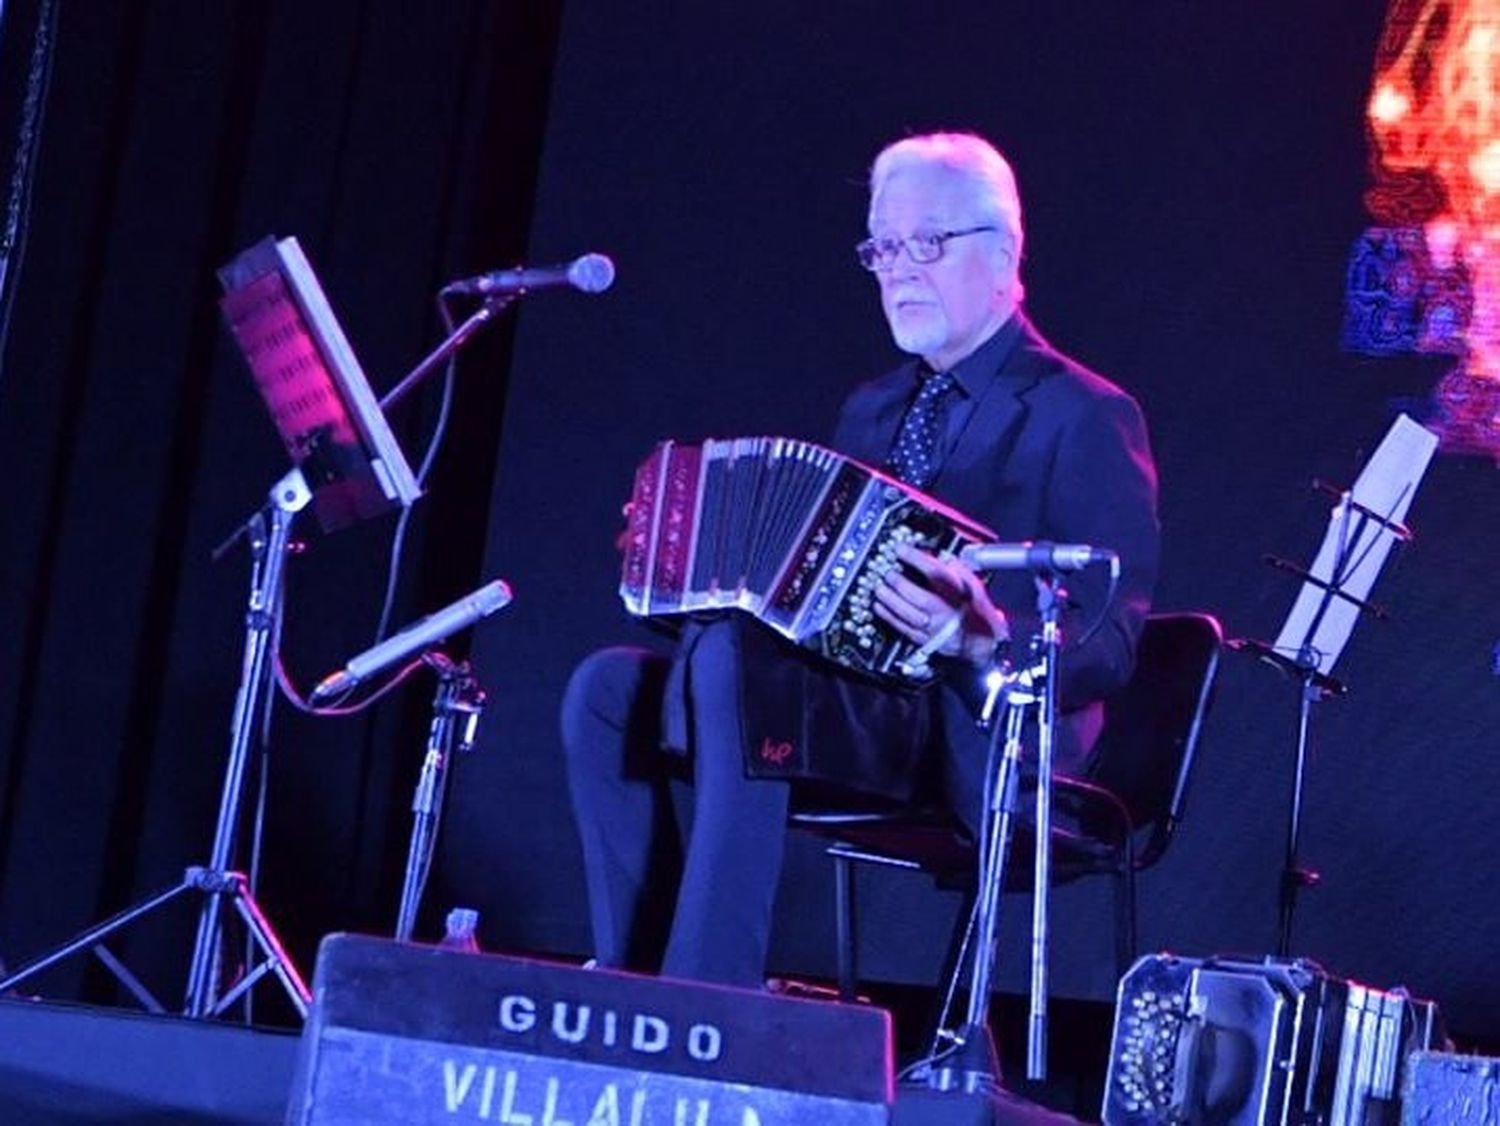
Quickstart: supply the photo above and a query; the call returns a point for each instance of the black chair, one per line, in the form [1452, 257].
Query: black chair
[1115, 820]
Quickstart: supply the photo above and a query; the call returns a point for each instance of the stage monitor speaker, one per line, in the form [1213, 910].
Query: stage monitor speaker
[419, 1034]
[1268, 1043]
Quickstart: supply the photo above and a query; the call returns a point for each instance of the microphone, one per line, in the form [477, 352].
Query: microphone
[1028, 556]
[593, 273]
[449, 620]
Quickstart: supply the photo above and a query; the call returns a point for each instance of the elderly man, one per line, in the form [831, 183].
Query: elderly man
[989, 419]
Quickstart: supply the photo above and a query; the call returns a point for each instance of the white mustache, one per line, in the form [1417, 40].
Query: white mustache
[897, 296]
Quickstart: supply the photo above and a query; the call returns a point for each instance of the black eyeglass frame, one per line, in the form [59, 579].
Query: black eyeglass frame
[877, 254]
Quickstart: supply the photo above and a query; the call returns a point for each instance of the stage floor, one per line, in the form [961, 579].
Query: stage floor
[72, 1064]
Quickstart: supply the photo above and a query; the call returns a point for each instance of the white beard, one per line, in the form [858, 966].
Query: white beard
[920, 336]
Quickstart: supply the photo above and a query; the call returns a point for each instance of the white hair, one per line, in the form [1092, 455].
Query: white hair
[967, 155]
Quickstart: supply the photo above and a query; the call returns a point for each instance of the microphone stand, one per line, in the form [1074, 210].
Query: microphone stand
[456, 708]
[1050, 599]
[455, 340]
[269, 545]
[458, 693]
[215, 881]
[975, 1067]
[289, 497]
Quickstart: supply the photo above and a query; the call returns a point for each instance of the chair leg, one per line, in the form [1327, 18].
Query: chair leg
[844, 922]
[1125, 923]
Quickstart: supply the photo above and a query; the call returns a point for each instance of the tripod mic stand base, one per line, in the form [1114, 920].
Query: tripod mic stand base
[965, 1088]
[203, 1000]
[212, 884]
[972, 1067]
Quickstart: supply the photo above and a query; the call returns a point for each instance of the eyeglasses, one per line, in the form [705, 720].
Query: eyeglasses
[923, 247]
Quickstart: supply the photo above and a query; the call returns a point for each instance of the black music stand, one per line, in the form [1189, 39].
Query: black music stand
[348, 465]
[1365, 524]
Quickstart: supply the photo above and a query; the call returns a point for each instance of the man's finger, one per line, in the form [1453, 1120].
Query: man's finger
[940, 574]
[905, 602]
[895, 580]
[896, 622]
[923, 561]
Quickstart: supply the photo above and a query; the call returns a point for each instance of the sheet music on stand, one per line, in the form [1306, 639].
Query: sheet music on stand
[1362, 528]
[313, 386]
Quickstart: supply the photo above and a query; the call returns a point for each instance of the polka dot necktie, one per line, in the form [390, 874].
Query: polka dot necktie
[914, 456]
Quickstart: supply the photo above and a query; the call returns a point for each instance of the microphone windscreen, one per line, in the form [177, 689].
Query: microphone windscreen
[593, 273]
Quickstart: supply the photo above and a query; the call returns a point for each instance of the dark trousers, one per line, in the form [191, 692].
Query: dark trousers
[637, 805]
[655, 823]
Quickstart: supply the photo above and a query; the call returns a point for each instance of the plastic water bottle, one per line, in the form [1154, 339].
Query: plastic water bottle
[460, 926]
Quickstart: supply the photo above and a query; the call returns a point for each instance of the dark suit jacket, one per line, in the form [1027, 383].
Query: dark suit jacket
[1053, 452]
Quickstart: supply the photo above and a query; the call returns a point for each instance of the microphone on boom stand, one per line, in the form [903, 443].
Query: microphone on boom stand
[449, 620]
[592, 273]
[1028, 556]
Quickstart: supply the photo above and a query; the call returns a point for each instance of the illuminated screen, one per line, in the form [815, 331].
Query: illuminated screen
[1426, 277]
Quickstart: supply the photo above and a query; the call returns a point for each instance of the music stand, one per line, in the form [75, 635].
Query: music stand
[1365, 524]
[313, 386]
[348, 465]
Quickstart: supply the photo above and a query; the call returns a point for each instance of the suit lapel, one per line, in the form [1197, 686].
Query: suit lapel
[991, 428]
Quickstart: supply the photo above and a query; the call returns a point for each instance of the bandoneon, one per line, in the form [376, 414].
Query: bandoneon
[789, 532]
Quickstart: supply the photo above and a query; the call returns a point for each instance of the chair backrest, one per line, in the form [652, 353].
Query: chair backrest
[1154, 723]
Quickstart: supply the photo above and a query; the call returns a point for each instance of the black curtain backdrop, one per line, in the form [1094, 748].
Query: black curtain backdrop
[1192, 179]
[399, 145]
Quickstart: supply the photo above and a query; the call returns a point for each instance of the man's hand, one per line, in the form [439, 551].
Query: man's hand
[952, 593]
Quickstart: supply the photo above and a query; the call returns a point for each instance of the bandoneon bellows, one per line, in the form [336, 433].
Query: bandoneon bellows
[794, 534]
